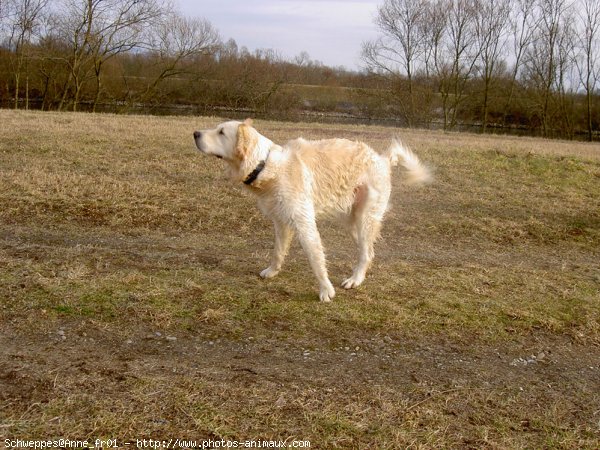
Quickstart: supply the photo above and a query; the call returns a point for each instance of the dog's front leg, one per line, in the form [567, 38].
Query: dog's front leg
[283, 239]
[310, 239]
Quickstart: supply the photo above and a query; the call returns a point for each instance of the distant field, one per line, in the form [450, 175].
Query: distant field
[131, 305]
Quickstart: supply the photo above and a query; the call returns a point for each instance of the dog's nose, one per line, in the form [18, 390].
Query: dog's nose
[197, 134]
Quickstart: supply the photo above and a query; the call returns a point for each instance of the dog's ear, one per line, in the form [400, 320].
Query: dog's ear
[247, 139]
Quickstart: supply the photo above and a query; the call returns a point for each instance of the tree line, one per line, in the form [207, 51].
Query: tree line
[523, 63]
[73, 54]
[531, 65]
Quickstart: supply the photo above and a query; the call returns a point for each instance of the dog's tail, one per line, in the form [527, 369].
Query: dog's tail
[400, 154]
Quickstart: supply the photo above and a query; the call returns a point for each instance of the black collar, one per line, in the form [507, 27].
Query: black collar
[255, 173]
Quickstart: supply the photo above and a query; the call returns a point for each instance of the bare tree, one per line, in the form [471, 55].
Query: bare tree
[588, 64]
[434, 29]
[490, 28]
[522, 27]
[544, 61]
[302, 59]
[458, 61]
[567, 80]
[73, 24]
[119, 27]
[175, 40]
[24, 19]
[97, 30]
[399, 49]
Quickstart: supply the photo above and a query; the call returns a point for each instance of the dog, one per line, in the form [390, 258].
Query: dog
[299, 181]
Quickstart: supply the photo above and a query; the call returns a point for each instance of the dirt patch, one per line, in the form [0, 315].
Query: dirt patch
[442, 383]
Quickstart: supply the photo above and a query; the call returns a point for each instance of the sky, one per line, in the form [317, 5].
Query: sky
[331, 31]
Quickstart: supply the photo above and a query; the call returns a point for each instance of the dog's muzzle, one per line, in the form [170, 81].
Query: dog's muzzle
[197, 137]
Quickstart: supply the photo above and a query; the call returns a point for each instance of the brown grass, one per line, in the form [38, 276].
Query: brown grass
[114, 228]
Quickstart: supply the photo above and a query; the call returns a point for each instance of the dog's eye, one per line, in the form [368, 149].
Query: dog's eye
[221, 131]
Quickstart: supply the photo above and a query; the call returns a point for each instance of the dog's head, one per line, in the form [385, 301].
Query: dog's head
[237, 143]
[232, 141]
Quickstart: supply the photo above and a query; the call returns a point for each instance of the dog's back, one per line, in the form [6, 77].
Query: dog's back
[333, 169]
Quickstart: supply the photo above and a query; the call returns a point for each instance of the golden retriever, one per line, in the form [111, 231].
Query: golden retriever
[300, 180]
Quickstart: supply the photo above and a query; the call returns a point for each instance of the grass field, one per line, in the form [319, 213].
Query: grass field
[131, 307]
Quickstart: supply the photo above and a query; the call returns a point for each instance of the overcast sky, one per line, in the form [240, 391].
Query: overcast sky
[331, 31]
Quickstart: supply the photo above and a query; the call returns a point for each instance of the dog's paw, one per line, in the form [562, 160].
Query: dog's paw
[269, 272]
[352, 282]
[327, 293]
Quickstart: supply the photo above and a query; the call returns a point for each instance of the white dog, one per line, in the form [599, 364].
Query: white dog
[297, 182]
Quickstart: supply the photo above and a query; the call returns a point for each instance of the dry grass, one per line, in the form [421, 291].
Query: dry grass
[113, 228]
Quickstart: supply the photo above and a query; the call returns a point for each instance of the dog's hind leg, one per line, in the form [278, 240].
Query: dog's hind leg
[283, 238]
[366, 216]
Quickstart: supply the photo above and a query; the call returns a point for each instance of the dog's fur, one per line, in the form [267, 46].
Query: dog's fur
[304, 179]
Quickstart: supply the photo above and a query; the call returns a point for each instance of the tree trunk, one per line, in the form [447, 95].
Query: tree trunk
[17, 85]
[76, 96]
[45, 93]
[27, 91]
[63, 97]
[411, 113]
[589, 116]
[486, 95]
[97, 95]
